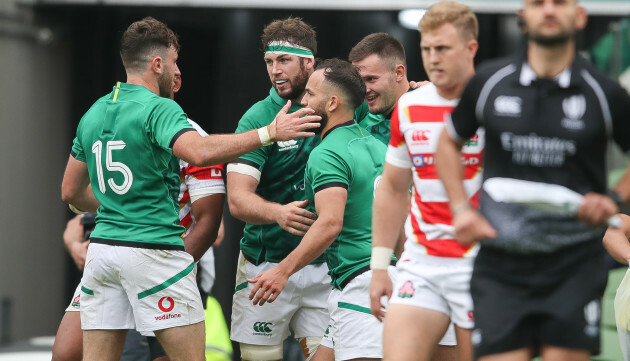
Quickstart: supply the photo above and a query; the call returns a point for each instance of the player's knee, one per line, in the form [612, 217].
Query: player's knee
[309, 346]
[261, 352]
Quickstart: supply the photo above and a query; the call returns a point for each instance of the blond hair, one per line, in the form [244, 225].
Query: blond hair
[451, 12]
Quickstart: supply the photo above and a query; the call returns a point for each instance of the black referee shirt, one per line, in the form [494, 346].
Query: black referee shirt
[544, 130]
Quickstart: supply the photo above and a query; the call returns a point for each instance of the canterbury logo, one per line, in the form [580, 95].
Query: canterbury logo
[263, 327]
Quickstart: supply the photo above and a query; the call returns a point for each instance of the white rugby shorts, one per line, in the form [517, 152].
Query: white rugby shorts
[301, 305]
[145, 289]
[436, 283]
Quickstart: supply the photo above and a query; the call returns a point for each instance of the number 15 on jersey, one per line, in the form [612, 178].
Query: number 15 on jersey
[111, 166]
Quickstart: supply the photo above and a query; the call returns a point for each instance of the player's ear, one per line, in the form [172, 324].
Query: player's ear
[400, 72]
[309, 63]
[156, 64]
[472, 46]
[333, 103]
[581, 18]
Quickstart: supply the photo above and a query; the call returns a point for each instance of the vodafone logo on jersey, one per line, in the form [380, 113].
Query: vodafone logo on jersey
[420, 136]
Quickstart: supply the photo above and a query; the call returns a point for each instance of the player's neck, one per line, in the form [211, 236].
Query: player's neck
[334, 119]
[455, 90]
[138, 79]
[548, 62]
[402, 88]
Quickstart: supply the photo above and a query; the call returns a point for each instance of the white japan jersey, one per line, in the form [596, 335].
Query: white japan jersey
[417, 123]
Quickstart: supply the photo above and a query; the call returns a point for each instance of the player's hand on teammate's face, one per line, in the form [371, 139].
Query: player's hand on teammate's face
[381, 285]
[293, 125]
[294, 219]
[470, 227]
[418, 84]
[268, 286]
[597, 208]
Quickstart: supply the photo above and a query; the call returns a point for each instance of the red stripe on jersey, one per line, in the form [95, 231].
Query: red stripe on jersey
[472, 164]
[396, 138]
[446, 248]
[434, 212]
[425, 113]
[186, 221]
[185, 199]
[213, 172]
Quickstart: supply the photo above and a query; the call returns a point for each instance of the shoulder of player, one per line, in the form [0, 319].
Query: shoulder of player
[161, 103]
[490, 67]
[589, 72]
[413, 96]
[261, 113]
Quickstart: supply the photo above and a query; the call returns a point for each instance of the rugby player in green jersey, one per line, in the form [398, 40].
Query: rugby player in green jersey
[341, 175]
[381, 61]
[266, 190]
[137, 273]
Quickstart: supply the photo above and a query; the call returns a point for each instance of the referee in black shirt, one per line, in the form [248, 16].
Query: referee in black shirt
[548, 116]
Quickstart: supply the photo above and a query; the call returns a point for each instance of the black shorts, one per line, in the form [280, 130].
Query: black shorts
[525, 301]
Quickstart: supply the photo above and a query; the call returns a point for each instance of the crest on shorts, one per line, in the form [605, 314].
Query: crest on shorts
[407, 290]
[76, 302]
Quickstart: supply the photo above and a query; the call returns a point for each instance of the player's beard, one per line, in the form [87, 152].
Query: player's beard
[561, 38]
[324, 121]
[165, 84]
[298, 84]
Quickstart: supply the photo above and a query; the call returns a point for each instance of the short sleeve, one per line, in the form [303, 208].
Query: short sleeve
[327, 169]
[77, 150]
[166, 122]
[397, 153]
[203, 181]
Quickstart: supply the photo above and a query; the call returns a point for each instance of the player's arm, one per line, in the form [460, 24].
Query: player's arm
[208, 212]
[388, 215]
[469, 225]
[220, 234]
[616, 240]
[73, 240]
[221, 148]
[75, 187]
[249, 207]
[330, 204]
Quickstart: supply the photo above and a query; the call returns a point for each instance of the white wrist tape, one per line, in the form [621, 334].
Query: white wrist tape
[381, 257]
[263, 135]
[76, 210]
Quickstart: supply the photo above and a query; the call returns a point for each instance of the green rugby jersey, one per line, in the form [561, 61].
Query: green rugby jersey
[351, 158]
[378, 125]
[282, 180]
[126, 139]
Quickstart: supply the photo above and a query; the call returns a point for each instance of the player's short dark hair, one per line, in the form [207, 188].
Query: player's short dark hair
[345, 77]
[293, 30]
[143, 39]
[388, 48]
